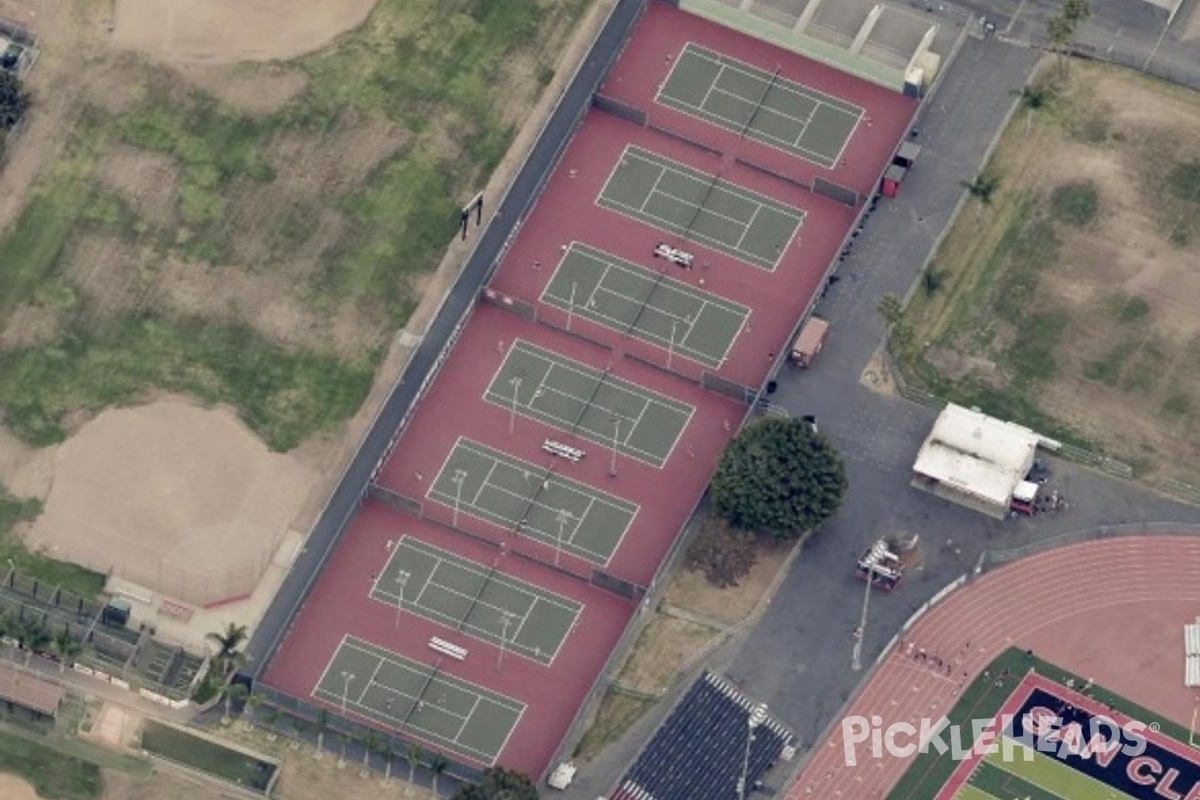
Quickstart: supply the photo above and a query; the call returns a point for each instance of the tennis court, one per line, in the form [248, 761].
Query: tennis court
[478, 600]
[701, 208]
[647, 305]
[412, 697]
[581, 400]
[760, 105]
[533, 501]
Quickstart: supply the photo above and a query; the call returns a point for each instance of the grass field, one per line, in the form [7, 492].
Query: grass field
[53, 775]
[983, 699]
[206, 756]
[50, 571]
[263, 258]
[1065, 293]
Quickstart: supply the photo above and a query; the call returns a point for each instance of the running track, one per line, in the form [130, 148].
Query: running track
[1099, 591]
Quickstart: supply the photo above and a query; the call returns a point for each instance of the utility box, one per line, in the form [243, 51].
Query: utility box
[810, 341]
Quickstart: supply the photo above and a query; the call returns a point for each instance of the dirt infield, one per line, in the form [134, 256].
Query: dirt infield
[12, 788]
[167, 491]
[225, 31]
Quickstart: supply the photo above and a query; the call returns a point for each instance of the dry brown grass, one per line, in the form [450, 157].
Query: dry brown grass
[689, 590]
[1101, 342]
[664, 647]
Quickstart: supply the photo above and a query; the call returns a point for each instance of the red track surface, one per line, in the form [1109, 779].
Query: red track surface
[339, 603]
[1106, 610]
[662, 34]
[567, 211]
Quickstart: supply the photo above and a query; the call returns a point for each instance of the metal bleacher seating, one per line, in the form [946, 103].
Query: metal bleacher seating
[699, 751]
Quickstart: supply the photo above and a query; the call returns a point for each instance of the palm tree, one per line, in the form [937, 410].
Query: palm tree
[414, 754]
[270, 716]
[370, 742]
[389, 755]
[65, 648]
[252, 702]
[234, 693]
[983, 187]
[1060, 29]
[437, 765]
[34, 637]
[228, 641]
[320, 724]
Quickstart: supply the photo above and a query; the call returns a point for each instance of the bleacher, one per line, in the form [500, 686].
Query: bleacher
[699, 751]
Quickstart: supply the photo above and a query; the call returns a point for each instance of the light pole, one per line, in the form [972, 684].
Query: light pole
[671, 346]
[459, 476]
[758, 715]
[401, 581]
[861, 632]
[571, 304]
[505, 621]
[515, 382]
[612, 467]
[564, 517]
[346, 678]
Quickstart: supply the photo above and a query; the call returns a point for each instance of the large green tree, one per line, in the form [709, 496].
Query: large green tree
[13, 100]
[499, 784]
[778, 476]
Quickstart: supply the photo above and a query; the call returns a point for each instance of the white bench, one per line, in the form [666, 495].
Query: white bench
[448, 649]
[554, 448]
[170, 608]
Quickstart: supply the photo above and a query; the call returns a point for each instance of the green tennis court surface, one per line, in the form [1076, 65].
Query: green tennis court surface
[533, 501]
[688, 322]
[476, 599]
[1043, 778]
[579, 399]
[407, 695]
[761, 105]
[700, 207]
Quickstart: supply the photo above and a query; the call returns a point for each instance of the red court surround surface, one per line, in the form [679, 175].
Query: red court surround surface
[664, 31]
[1111, 610]
[454, 408]
[567, 211]
[340, 605]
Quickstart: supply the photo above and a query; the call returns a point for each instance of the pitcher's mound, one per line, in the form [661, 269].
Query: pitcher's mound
[225, 31]
[184, 500]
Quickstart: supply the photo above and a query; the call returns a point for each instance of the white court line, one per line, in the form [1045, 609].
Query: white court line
[514, 582]
[467, 718]
[654, 188]
[566, 483]
[790, 85]
[742, 193]
[329, 665]
[746, 229]
[484, 484]
[685, 202]
[370, 681]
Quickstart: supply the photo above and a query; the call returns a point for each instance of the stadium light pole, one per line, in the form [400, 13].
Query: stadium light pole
[505, 621]
[571, 304]
[861, 632]
[564, 516]
[515, 382]
[401, 581]
[612, 467]
[671, 346]
[758, 715]
[459, 476]
[346, 678]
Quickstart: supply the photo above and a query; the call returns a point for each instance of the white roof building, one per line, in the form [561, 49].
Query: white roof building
[975, 460]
